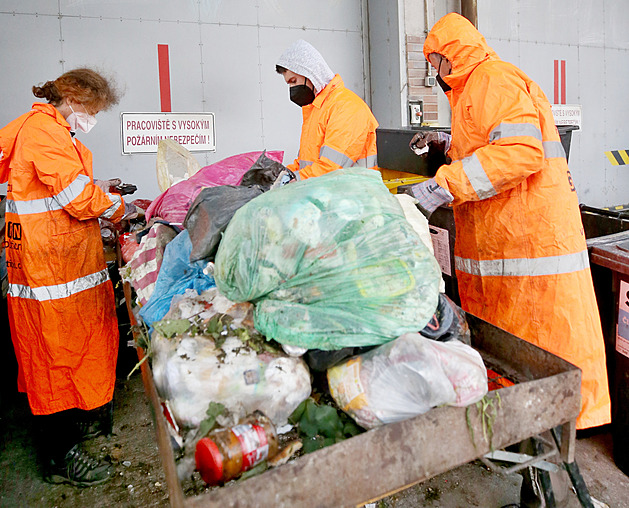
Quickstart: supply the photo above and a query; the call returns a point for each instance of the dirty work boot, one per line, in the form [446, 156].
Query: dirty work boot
[79, 469]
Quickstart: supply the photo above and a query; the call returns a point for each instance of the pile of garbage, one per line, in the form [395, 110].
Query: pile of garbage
[251, 285]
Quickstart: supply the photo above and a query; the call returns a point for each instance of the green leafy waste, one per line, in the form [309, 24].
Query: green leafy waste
[321, 425]
[214, 410]
[487, 408]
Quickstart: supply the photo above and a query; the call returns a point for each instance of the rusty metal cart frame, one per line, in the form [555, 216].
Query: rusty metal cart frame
[396, 456]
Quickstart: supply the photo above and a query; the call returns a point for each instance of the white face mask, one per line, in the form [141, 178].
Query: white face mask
[80, 120]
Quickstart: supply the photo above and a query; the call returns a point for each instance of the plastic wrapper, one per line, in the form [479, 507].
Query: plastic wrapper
[176, 274]
[210, 214]
[420, 224]
[173, 204]
[174, 164]
[407, 377]
[143, 268]
[330, 262]
[236, 369]
[264, 172]
[128, 246]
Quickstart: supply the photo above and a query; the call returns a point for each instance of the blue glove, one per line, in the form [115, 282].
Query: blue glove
[430, 196]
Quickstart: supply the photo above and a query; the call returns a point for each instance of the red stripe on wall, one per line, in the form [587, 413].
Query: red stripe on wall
[556, 95]
[563, 81]
[164, 77]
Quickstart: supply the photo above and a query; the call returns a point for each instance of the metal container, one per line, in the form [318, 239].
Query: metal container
[611, 254]
[390, 458]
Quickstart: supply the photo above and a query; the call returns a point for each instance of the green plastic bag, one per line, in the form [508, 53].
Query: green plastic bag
[330, 262]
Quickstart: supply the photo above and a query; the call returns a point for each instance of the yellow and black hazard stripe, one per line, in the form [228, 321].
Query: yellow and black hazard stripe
[618, 157]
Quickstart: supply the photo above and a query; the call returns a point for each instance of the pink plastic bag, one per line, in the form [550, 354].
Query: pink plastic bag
[173, 204]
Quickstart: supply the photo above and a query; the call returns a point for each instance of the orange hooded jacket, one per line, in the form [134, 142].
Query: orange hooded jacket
[520, 254]
[338, 131]
[61, 303]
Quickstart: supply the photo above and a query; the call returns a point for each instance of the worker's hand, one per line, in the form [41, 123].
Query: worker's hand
[430, 196]
[124, 188]
[105, 185]
[421, 140]
[285, 177]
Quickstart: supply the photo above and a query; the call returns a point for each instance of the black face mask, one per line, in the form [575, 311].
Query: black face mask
[444, 86]
[302, 95]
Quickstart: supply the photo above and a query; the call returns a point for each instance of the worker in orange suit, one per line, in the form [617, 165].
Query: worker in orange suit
[339, 129]
[60, 299]
[520, 254]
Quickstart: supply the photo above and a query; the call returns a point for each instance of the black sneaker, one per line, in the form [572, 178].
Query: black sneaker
[79, 469]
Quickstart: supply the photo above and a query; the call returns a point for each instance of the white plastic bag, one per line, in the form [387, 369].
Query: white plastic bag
[191, 370]
[420, 224]
[407, 377]
[174, 164]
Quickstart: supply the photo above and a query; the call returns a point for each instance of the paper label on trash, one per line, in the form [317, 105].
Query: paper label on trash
[441, 245]
[253, 442]
[622, 333]
[346, 386]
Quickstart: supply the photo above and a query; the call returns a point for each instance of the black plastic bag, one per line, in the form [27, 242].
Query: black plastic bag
[210, 214]
[264, 172]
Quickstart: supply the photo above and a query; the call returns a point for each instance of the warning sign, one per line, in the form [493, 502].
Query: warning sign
[142, 132]
[622, 331]
[567, 114]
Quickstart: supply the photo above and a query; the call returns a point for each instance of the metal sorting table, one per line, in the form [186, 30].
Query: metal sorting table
[382, 461]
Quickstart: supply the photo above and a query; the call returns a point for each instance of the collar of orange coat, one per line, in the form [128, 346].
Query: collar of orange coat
[454, 37]
[50, 110]
[335, 83]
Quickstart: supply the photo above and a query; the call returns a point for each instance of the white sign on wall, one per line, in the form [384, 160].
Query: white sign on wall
[142, 132]
[567, 114]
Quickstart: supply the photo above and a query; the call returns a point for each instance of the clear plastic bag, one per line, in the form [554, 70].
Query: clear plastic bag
[330, 262]
[407, 377]
[174, 164]
[193, 369]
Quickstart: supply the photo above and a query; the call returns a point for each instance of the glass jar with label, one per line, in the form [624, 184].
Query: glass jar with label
[227, 453]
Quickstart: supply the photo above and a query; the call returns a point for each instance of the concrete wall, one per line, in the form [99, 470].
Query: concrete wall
[222, 60]
[592, 38]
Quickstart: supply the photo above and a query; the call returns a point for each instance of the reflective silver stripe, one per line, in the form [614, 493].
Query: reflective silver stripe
[507, 130]
[368, 162]
[524, 267]
[477, 177]
[553, 149]
[304, 164]
[335, 156]
[59, 291]
[33, 206]
[70, 193]
[116, 200]
[50, 204]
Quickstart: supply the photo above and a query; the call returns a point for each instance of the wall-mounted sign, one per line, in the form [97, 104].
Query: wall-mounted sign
[567, 114]
[142, 132]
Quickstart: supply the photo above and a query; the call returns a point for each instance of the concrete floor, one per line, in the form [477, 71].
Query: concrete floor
[473, 485]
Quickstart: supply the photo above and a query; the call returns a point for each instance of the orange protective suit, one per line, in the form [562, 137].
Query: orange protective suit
[338, 131]
[61, 303]
[520, 253]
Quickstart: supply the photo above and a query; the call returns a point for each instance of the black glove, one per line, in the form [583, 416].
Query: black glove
[422, 139]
